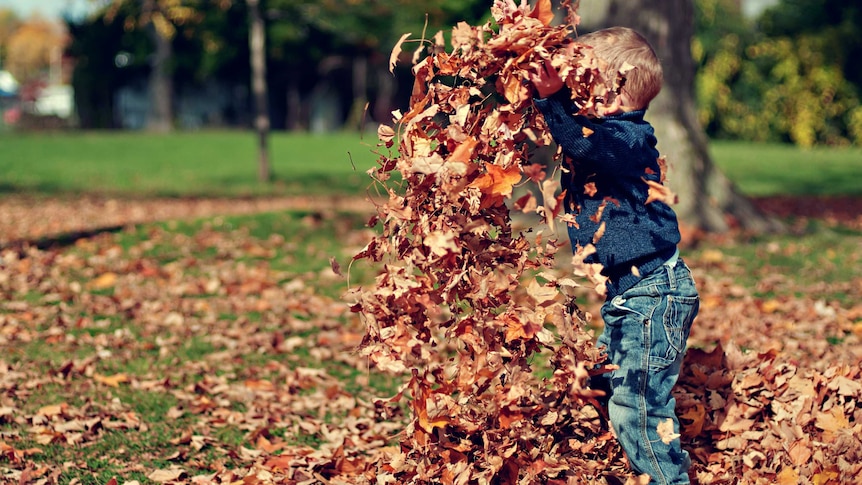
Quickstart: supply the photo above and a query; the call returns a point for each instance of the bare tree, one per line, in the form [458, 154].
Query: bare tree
[161, 111]
[257, 46]
[708, 200]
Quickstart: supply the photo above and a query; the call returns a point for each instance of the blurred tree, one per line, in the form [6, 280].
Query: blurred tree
[32, 47]
[9, 23]
[162, 19]
[327, 36]
[259, 88]
[837, 22]
[790, 78]
[708, 200]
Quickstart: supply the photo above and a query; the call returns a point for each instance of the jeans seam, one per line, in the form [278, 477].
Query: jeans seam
[642, 405]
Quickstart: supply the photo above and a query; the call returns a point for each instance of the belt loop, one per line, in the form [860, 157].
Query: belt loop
[671, 276]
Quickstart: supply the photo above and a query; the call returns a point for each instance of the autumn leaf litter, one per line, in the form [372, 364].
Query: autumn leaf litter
[487, 372]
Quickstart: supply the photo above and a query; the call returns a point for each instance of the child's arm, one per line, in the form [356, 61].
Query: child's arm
[609, 149]
[580, 137]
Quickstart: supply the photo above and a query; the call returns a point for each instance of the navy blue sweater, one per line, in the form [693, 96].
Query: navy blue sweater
[613, 162]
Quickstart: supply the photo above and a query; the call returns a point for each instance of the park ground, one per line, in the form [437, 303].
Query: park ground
[150, 352]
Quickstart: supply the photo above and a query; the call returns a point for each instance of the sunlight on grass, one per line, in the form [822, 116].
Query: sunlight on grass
[772, 169]
[217, 163]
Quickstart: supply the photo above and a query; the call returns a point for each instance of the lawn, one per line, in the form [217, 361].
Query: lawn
[225, 163]
[772, 169]
[182, 164]
[223, 350]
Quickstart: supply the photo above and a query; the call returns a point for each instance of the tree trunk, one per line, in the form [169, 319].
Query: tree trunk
[707, 199]
[360, 93]
[294, 105]
[257, 45]
[161, 86]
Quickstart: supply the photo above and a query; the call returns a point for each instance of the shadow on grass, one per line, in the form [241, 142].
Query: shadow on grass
[57, 241]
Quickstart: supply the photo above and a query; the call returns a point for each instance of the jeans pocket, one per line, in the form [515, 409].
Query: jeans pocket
[669, 336]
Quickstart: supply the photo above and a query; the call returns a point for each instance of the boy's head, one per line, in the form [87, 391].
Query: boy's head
[617, 46]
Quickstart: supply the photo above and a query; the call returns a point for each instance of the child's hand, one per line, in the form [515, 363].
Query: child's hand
[546, 80]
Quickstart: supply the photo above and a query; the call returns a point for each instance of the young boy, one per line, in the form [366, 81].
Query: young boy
[651, 297]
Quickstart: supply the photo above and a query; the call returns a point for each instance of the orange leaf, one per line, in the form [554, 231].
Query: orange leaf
[464, 151]
[259, 385]
[280, 462]
[508, 417]
[429, 424]
[825, 477]
[800, 453]
[264, 444]
[52, 410]
[498, 180]
[516, 329]
[832, 422]
[543, 12]
[104, 281]
[513, 90]
[112, 381]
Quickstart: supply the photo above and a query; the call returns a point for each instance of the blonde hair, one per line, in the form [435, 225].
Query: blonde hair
[617, 46]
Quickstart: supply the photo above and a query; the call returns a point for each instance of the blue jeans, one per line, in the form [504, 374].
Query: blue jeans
[646, 328]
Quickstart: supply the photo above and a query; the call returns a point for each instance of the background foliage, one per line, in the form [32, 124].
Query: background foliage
[789, 76]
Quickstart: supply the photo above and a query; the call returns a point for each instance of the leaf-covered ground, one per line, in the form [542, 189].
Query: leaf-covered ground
[220, 351]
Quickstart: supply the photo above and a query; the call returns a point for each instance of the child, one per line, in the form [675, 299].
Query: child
[651, 297]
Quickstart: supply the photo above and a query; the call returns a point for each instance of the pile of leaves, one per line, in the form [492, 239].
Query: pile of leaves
[491, 340]
[767, 420]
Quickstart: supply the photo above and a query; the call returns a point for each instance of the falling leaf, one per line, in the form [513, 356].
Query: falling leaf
[498, 181]
[336, 268]
[396, 52]
[660, 193]
[543, 11]
[666, 432]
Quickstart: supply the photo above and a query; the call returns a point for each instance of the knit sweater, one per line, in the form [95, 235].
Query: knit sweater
[608, 165]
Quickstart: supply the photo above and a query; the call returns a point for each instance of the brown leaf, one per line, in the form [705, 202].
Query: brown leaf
[164, 476]
[660, 193]
[543, 11]
[396, 52]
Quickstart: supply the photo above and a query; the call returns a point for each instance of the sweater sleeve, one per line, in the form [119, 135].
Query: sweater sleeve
[603, 144]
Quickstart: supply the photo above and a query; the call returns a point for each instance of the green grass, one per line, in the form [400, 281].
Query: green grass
[816, 262]
[771, 169]
[222, 163]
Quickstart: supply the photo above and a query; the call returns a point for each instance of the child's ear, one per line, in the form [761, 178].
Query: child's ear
[626, 102]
